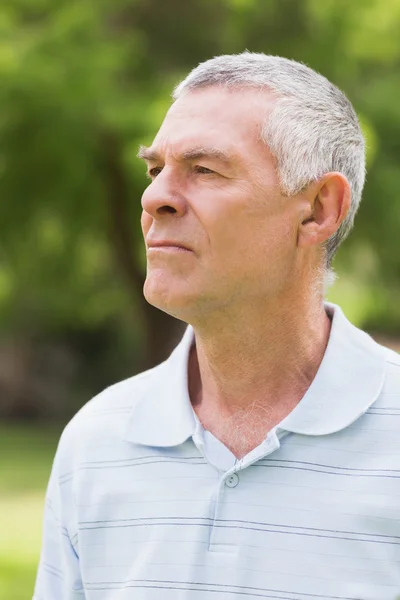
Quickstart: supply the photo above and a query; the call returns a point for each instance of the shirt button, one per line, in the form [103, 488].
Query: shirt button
[232, 481]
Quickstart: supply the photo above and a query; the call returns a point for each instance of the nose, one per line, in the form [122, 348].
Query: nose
[162, 198]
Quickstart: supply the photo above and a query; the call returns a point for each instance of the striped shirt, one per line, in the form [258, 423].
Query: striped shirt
[144, 504]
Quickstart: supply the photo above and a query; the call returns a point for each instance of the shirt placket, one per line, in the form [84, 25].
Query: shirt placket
[227, 488]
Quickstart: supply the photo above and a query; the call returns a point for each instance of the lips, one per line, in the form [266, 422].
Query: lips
[166, 244]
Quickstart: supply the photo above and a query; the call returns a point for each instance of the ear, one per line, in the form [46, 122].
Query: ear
[328, 202]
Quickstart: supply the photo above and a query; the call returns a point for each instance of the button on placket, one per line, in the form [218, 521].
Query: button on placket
[232, 481]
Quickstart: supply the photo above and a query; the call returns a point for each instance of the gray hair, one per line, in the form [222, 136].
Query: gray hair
[311, 130]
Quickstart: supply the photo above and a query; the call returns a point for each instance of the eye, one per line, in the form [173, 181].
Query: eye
[203, 170]
[152, 173]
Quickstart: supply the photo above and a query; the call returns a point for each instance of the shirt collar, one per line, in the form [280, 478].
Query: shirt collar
[163, 415]
[348, 381]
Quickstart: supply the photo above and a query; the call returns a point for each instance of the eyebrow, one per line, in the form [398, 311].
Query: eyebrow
[200, 152]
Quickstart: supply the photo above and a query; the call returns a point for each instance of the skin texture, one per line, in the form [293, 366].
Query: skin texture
[250, 279]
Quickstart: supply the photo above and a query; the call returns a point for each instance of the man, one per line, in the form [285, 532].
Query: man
[261, 460]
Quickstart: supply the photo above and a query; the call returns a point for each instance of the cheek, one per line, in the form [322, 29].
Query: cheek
[263, 241]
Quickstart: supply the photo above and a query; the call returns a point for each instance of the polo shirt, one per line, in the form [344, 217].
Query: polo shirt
[142, 503]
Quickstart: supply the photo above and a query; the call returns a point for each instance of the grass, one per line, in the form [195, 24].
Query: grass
[26, 457]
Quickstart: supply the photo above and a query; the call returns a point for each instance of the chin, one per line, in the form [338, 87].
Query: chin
[169, 297]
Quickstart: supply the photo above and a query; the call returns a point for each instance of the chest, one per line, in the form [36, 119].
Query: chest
[306, 519]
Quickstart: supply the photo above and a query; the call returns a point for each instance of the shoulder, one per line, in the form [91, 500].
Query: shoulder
[392, 358]
[392, 367]
[390, 394]
[101, 422]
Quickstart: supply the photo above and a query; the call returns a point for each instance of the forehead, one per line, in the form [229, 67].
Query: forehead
[215, 117]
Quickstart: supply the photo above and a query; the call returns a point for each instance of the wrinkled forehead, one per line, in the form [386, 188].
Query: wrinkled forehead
[216, 117]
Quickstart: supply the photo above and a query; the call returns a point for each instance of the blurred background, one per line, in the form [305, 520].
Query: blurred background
[82, 83]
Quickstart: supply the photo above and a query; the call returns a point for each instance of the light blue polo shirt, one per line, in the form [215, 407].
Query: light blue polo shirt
[143, 504]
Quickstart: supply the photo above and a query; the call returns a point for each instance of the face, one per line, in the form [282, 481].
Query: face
[219, 235]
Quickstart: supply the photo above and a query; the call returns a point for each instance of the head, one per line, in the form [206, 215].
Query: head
[257, 171]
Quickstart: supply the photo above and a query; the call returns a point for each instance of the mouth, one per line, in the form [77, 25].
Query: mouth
[167, 246]
[167, 249]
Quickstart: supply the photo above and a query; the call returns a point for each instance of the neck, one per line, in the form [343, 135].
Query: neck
[264, 357]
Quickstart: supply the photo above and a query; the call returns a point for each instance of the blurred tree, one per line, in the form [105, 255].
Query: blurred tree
[83, 84]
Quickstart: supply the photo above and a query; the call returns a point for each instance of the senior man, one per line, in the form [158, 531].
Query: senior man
[262, 459]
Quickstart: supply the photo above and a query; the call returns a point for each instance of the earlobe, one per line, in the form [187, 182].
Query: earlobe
[308, 233]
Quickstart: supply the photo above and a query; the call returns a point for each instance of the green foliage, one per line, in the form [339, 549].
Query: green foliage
[83, 82]
[83, 79]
